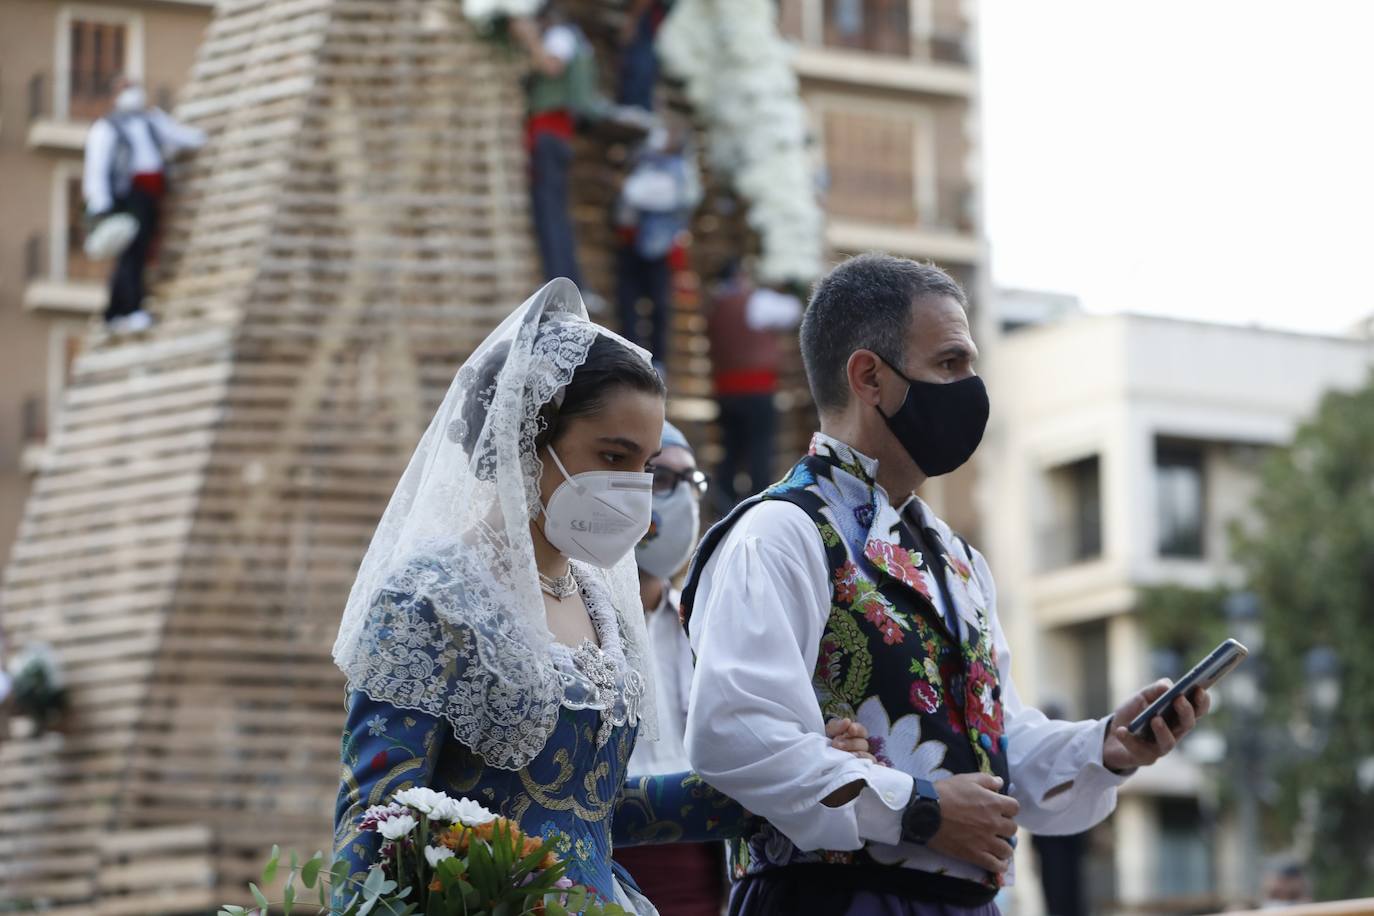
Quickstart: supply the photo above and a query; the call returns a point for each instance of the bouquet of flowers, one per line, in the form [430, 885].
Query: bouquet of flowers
[439, 856]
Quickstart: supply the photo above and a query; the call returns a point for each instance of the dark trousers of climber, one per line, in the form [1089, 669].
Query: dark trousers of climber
[747, 425]
[638, 279]
[550, 161]
[126, 283]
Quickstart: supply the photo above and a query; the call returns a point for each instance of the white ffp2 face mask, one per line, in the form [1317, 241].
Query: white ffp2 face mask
[598, 516]
[672, 534]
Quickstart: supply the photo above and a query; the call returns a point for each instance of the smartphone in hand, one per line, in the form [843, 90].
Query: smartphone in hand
[1220, 662]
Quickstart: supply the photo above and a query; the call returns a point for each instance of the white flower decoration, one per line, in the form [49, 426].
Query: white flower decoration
[397, 827]
[469, 813]
[422, 799]
[739, 76]
[436, 854]
[899, 743]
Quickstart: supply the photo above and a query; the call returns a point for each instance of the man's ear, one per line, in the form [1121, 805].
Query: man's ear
[862, 372]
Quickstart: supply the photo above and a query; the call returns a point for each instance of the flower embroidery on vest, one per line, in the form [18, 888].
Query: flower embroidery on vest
[899, 563]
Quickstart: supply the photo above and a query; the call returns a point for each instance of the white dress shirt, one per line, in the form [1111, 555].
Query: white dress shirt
[754, 728]
[673, 683]
[145, 156]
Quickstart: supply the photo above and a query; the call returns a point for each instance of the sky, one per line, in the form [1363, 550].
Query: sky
[1210, 159]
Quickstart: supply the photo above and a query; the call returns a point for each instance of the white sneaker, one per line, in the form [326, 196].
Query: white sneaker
[138, 322]
[118, 325]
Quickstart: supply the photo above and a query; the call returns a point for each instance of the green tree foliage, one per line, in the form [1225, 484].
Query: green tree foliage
[1310, 559]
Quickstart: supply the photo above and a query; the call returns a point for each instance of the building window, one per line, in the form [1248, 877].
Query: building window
[1073, 533]
[871, 161]
[877, 26]
[79, 267]
[97, 57]
[1094, 684]
[1181, 493]
[1184, 854]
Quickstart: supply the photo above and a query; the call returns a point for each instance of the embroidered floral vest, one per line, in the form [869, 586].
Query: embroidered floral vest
[929, 698]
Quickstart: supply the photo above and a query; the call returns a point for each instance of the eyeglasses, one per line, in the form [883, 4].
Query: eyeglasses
[666, 479]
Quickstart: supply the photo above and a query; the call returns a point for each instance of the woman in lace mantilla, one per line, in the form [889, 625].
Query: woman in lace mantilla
[481, 660]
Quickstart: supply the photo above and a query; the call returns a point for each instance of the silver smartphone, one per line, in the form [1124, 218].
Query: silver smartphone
[1222, 660]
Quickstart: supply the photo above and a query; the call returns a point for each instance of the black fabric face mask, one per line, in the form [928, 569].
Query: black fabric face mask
[940, 425]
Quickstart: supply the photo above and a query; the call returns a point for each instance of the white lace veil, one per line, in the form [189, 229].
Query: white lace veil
[455, 544]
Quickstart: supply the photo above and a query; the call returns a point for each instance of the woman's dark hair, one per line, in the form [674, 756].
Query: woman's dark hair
[610, 365]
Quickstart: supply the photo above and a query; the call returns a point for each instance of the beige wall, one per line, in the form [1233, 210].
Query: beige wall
[31, 352]
[1111, 386]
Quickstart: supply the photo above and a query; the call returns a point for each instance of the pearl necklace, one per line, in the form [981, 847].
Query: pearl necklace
[564, 586]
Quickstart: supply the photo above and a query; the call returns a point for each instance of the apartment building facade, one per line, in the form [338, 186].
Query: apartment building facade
[1121, 450]
[891, 87]
[57, 64]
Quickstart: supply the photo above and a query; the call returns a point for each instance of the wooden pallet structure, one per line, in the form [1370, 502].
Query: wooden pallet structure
[356, 224]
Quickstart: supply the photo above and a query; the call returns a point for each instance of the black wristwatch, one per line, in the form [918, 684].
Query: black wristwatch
[921, 819]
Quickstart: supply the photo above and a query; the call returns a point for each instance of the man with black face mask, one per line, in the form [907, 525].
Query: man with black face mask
[838, 593]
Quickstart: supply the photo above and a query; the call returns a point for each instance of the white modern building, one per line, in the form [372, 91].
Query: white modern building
[1120, 450]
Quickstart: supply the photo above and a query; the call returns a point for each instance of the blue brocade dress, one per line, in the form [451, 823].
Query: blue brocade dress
[574, 790]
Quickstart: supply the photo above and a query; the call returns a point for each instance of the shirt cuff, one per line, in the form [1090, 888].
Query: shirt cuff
[879, 806]
[1094, 771]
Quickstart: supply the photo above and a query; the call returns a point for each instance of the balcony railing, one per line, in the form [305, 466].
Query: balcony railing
[886, 28]
[1063, 545]
[899, 200]
[35, 257]
[39, 97]
[84, 103]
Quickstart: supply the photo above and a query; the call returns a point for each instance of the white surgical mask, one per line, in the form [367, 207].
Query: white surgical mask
[672, 533]
[131, 98]
[598, 516]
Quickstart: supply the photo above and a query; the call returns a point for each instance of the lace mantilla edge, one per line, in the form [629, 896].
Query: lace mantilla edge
[440, 643]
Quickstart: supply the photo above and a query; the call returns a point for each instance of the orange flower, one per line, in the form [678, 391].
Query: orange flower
[456, 838]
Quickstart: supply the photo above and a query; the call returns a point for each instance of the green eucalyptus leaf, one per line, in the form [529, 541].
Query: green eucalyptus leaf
[311, 869]
[373, 885]
[258, 896]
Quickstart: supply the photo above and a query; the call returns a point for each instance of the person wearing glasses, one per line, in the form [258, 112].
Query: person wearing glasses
[684, 879]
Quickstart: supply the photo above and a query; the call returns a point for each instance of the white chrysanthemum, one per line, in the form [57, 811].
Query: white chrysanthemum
[421, 799]
[469, 813]
[484, 11]
[436, 854]
[397, 827]
[739, 76]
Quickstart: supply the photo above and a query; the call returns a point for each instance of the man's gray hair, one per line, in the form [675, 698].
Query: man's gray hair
[864, 304]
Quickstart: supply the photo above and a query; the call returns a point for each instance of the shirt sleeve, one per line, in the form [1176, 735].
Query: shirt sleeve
[175, 135]
[95, 174]
[1056, 768]
[754, 726]
[769, 310]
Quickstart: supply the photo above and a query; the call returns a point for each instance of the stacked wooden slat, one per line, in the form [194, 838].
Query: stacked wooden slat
[356, 224]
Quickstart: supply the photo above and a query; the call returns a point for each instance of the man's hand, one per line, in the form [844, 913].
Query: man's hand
[1124, 751]
[977, 822]
[851, 737]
